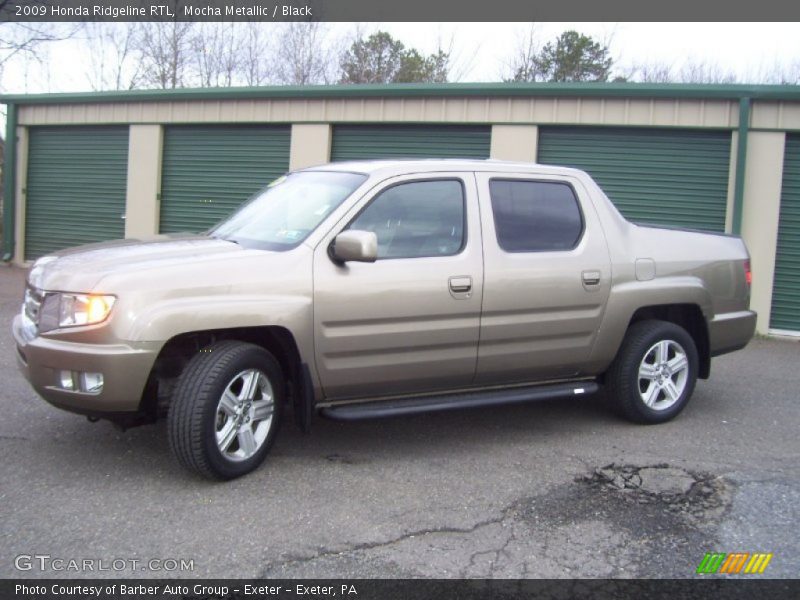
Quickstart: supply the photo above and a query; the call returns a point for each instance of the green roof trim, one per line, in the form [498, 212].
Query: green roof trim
[741, 165]
[414, 90]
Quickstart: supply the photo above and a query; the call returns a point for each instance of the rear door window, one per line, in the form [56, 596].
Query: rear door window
[535, 216]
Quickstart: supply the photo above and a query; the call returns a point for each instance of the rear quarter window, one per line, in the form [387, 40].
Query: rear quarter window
[535, 216]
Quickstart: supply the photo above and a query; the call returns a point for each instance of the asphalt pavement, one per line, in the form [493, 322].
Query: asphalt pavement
[550, 489]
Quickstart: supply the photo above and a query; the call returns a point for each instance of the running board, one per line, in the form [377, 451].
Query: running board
[424, 404]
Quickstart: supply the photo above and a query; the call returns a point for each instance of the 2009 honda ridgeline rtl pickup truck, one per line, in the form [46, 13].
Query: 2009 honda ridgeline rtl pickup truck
[370, 289]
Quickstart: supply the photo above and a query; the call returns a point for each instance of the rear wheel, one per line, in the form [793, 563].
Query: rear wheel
[225, 410]
[653, 376]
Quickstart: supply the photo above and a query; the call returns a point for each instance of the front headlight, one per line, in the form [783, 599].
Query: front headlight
[72, 310]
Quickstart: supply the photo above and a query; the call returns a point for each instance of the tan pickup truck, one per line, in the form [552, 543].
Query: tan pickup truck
[370, 289]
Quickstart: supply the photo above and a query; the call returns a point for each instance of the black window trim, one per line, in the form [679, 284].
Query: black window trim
[526, 179]
[458, 178]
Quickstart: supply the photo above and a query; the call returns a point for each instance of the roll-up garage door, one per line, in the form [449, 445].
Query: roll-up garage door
[672, 177]
[365, 142]
[786, 288]
[207, 172]
[77, 178]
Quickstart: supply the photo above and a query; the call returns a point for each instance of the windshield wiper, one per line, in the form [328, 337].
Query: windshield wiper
[219, 237]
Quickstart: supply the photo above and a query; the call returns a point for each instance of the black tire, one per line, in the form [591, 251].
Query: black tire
[193, 418]
[624, 386]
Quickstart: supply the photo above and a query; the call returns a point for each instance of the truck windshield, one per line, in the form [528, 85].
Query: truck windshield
[283, 214]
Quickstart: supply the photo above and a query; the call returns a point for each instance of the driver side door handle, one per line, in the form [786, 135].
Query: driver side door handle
[461, 285]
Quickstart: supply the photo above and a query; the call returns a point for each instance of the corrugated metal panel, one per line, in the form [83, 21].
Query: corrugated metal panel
[486, 108]
[77, 179]
[786, 289]
[359, 142]
[207, 172]
[662, 176]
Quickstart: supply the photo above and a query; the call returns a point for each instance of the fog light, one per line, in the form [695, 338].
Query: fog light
[65, 380]
[77, 381]
[91, 382]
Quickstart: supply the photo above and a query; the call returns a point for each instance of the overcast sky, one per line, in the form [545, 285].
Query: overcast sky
[482, 50]
[741, 47]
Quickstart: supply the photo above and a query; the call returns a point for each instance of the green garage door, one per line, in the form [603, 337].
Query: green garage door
[364, 142]
[77, 177]
[786, 291]
[207, 172]
[661, 176]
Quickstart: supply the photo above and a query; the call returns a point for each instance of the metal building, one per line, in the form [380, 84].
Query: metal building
[89, 167]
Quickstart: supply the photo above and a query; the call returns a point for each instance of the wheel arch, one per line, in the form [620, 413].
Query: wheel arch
[681, 300]
[176, 353]
[687, 316]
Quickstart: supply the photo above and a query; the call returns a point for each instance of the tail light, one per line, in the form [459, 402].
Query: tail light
[748, 274]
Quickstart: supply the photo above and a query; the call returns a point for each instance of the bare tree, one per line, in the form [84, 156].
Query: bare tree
[788, 74]
[447, 63]
[255, 52]
[305, 54]
[692, 70]
[780, 73]
[702, 71]
[217, 54]
[169, 55]
[26, 40]
[524, 65]
[166, 51]
[458, 63]
[114, 56]
[651, 72]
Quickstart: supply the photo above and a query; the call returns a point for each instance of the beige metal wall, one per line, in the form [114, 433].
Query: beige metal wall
[761, 211]
[588, 111]
[21, 197]
[775, 115]
[579, 111]
[514, 122]
[515, 142]
[310, 145]
[144, 180]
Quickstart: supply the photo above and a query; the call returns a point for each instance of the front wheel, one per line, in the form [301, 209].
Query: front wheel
[225, 410]
[653, 376]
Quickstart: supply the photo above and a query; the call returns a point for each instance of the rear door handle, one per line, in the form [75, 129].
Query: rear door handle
[591, 277]
[460, 285]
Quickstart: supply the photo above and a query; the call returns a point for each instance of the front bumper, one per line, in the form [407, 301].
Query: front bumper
[731, 331]
[125, 369]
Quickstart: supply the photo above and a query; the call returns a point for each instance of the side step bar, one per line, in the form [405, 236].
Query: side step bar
[423, 404]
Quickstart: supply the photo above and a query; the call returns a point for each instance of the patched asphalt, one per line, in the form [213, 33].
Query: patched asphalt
[551, 489]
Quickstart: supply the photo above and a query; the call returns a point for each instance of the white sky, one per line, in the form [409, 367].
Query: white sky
[744, 48]
[482, 50]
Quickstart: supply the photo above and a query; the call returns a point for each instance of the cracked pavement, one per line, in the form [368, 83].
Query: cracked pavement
[550, 489]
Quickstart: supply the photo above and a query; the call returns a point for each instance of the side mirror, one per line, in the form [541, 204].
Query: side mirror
[356, 245]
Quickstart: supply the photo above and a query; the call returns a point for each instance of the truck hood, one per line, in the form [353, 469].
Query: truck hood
[81, 269]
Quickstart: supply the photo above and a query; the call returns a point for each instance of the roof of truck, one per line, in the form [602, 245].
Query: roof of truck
[432, 165]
